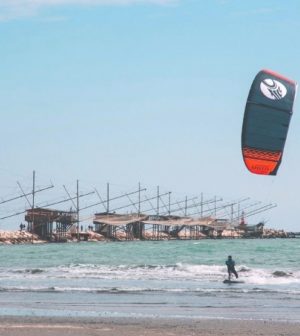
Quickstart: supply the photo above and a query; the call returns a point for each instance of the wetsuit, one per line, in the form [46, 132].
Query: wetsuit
[230, 268]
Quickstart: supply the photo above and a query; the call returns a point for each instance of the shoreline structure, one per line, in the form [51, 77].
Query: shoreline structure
[188, 219]
[25, 237]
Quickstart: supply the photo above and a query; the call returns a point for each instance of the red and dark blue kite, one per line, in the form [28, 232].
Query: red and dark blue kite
[266, 122]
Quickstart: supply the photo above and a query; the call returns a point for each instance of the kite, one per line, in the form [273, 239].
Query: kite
[267, 116]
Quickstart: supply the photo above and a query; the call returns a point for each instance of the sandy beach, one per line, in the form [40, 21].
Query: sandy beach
[13, 326]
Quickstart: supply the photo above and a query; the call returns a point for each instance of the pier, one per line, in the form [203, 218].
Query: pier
[50, 225]
[139, 214]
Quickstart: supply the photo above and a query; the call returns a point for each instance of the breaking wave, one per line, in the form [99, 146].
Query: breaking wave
[177, 272]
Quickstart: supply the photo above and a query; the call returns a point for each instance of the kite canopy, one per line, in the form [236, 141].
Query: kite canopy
[267, 117]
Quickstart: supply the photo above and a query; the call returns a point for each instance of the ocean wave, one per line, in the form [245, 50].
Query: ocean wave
[282, 274]
[175, 272]
[244, 269]
[215, 292]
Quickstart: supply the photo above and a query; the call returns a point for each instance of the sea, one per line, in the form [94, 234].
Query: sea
[156, 279]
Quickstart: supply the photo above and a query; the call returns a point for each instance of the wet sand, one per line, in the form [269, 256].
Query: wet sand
[17, 326]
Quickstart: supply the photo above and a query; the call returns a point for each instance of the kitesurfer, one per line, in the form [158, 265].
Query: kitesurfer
[231, 267]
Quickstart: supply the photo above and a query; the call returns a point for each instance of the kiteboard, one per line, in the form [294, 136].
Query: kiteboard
[227, 281]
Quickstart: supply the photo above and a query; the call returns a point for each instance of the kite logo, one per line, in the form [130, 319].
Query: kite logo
[273, 89]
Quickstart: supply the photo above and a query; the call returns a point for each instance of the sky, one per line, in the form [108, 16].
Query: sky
[149, 91]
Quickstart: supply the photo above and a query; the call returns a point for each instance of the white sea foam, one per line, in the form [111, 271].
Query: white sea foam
[179, 272]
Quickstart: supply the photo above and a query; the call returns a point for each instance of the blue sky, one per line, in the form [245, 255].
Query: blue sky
[149, 91]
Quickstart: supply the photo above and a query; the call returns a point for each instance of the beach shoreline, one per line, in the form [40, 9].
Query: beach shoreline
[15, 326]
[150, 288]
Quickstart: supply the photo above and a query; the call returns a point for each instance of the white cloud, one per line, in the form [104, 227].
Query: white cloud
[10, 9]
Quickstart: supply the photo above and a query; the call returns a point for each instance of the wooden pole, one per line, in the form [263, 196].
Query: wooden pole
[157, 208]
[33, 200]
[107, 191]
[77, 209]
[139, 208]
